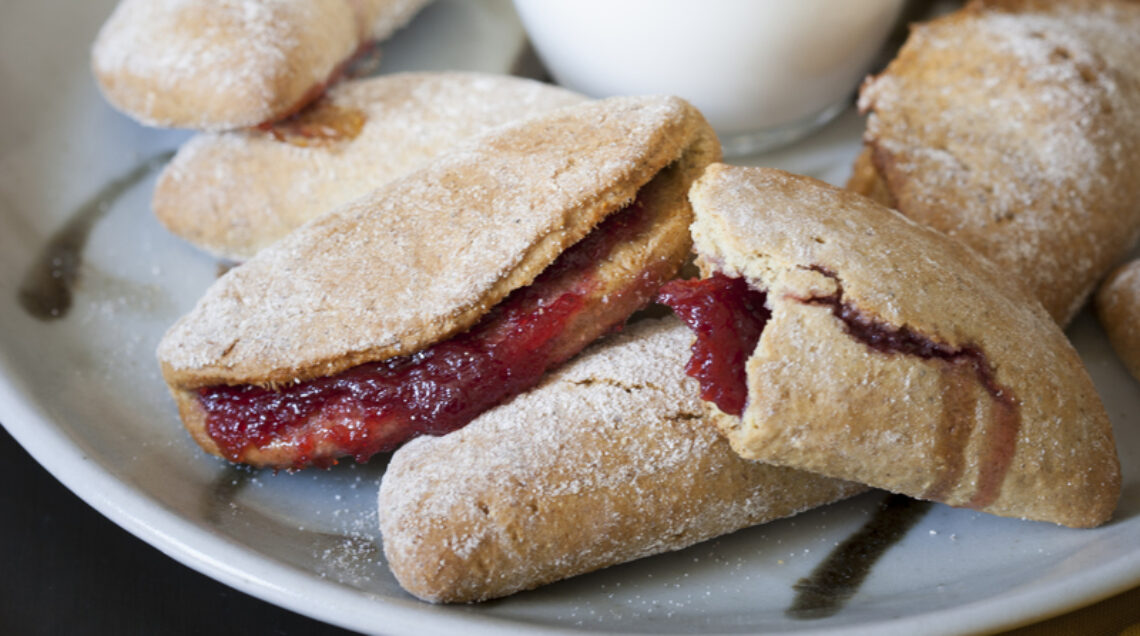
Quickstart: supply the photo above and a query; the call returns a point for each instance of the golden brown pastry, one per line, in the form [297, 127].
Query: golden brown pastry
[444, 292]
[1014, 126]
[610, 460]
[890, 355]
[233, 193]
[224, 64]
[1118, 307]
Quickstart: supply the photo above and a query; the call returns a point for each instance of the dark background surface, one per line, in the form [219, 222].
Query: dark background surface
[69, 570]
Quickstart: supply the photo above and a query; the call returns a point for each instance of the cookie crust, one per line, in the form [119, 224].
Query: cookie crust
[234, 193]
[611, 460]
[1118, 308]
[1005, 419]
[1014, 126]
[426, 256]
[225, 64]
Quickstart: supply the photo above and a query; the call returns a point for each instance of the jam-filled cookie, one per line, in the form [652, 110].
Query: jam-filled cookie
[443, 293]
[1014, 126]
[837, 336]
[225, 64]
[233, 193]
[611, 459]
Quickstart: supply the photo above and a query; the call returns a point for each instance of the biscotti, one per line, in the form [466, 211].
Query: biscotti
[610, 460]
[889, 354]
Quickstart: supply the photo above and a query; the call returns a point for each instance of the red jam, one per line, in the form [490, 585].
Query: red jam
[728, 317]
[377, 406]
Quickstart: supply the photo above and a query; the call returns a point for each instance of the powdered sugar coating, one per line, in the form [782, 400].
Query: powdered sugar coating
[1014, 126]
[426, 255]
[233, 193]
[823, 399]
[223, 64]
[611, 459]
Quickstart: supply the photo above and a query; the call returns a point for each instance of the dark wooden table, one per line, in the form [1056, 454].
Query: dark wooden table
[69, 570]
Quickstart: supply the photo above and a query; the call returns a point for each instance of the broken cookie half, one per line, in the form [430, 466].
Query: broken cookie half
[433, 298]
[838, 337]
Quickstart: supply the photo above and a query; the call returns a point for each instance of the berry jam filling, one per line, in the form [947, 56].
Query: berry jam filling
[889, 339]
[728, 317]
[377, 406]
[1001, 435]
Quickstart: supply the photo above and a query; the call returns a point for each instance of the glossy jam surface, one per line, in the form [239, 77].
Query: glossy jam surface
[377, 406]
[727, 317]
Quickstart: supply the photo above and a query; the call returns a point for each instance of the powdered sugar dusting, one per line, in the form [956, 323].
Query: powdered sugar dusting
[233, 193]
[1074, 57]
[222, 64]
[610, 460]
[241, 46]
[822, 399]
[1014, 132]
[428, 253]
[143, 29]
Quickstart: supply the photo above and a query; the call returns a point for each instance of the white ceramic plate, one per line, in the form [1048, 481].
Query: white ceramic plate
[83, 395]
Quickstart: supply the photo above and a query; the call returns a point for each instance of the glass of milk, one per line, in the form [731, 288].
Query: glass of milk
[764, 72]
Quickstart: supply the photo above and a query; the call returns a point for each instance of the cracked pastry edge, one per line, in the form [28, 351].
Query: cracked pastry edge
[823, 401]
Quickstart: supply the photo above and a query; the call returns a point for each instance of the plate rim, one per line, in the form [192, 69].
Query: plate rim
[243, 568]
